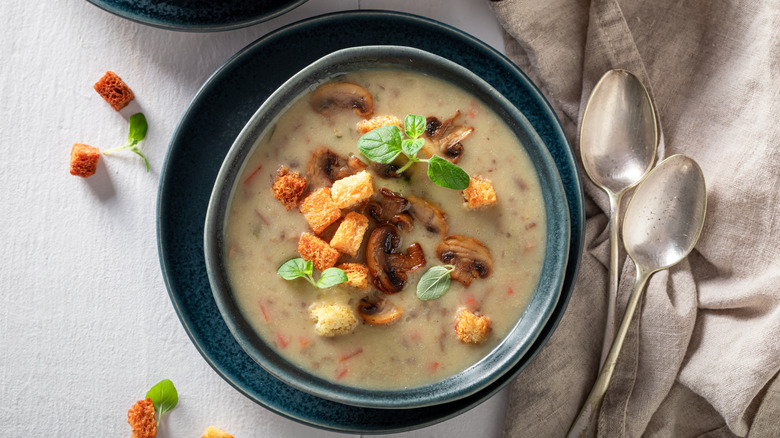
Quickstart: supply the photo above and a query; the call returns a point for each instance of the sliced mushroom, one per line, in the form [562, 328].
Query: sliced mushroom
[447, 136]
[470, 257]
[377, 309]
[326, 166]
[430, 216]
[387, 266]
[346, 95]
[387, 171]
[390, 207]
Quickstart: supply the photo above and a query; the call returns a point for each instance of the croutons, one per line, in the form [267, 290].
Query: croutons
[84, 160]
[215, 432]
[114, 91]
[470, 328]
[141, 419]
[349, 234]
[318, 251]
[369, 125]
[289, 187]
[333, 319]
[320, 210]
[357, 274]
[479, 193]
[350, 191]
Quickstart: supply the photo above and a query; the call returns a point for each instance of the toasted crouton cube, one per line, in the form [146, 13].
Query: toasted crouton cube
[318, 251]
[480, 193]
[350, 233]
[84, 160]
[289, 187]
[320, 210]
[470, 328]
[369, 125]
[215, 432]
[114, 91]
[350, 191]
[333, 319]
[357, 274]
[141, 419]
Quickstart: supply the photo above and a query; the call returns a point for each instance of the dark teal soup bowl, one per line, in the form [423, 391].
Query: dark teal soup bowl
[517, 344]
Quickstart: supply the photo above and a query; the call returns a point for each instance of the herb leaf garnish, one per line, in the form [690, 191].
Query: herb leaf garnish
[446, 174]
[385, 143]
[137, 132]
[164, 396]
[300, 268]
[434, 283]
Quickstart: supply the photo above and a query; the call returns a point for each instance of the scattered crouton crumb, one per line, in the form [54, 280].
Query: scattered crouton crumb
[319, 210]
[350, 191]
[289, 187]
[349, 234]
[215, 432]
[141, 419]
[318, 251]
[479, 193]
[357, 274]
[369, 125]
[114, 90]
[470, 328]
[83, 160]
[333, 319]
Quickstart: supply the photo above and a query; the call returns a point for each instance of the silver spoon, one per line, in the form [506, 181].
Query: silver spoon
[662, 224]
[618, 141]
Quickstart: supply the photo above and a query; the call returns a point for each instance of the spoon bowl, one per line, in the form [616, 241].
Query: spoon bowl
[662, 225]
[618, 142]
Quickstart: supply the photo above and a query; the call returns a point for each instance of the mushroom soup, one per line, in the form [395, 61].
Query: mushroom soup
[306, 191]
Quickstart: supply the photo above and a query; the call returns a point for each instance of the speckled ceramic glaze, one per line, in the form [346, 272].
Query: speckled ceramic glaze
[211, 124]
[198, 15]
[517, 342]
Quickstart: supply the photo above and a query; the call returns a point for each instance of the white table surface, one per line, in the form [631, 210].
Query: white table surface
[86, 325]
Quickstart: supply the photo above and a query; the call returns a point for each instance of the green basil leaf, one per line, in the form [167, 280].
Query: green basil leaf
[295, 268]
[382, 144]
[135, 149]
[434, 283]
[164, 396]
[412, 146]
[138, 127]
[331, 277]
[414, 125]
[446, 174]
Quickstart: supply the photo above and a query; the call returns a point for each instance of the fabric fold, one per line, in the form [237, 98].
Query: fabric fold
[702, 354]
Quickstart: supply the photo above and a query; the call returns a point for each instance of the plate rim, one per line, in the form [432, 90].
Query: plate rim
[110, 7]
[576, 206]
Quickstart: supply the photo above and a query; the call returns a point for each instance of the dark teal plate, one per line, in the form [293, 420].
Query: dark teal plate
[213, 121]
[198, 15]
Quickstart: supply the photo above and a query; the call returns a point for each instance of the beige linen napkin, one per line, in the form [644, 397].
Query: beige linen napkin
[703, 354]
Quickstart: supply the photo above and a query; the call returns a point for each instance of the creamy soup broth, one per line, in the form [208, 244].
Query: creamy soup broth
[421, 346]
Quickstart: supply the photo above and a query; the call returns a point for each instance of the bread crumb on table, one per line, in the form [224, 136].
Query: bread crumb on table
[84, 160]
[215, 432]
[114, 90]
[141, 419]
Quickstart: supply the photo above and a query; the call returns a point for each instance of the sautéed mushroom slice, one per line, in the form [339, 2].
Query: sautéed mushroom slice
[388, 266]
[334, 96]
[470, 257]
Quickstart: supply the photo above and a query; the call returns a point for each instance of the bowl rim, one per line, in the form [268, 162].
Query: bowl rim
[463, 383]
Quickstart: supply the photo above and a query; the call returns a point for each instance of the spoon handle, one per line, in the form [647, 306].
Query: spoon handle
[585, 423]
[614, 242]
